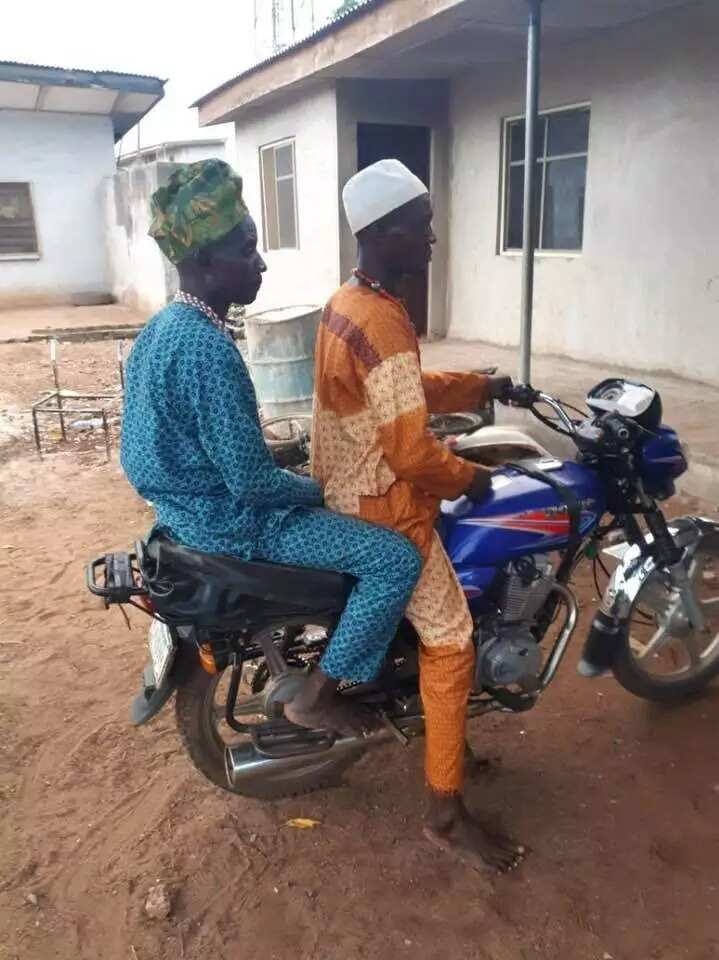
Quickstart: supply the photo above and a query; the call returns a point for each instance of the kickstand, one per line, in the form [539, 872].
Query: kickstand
[393, 728]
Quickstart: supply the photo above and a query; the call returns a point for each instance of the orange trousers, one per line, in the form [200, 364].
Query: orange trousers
[439, 613]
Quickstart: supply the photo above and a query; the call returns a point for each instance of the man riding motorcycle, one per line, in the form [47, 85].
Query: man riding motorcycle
[192, 443]
[376, 459]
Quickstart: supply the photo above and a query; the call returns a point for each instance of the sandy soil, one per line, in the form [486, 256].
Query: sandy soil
[618, 799]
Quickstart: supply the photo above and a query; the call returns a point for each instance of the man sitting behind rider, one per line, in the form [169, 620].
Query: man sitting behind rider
[376, 459]
[192, 443]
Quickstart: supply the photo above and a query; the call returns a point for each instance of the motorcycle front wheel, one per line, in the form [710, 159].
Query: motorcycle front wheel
[665, 657]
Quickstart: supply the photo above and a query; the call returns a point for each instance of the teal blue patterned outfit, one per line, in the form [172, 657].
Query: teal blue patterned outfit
[192, 444]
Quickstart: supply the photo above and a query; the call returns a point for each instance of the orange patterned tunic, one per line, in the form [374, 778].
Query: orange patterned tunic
[371, 449]
[375, 458]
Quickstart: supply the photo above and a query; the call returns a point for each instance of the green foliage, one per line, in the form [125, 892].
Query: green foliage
[347, 6]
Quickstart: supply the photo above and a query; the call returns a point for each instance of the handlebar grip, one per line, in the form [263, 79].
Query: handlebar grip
[521, 395]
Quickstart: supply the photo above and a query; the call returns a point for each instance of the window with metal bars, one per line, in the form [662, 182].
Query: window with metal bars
[279, 200]
[562, 148]
[18, 236]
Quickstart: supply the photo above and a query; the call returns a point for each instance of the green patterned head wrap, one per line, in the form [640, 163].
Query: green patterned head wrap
[201, 202]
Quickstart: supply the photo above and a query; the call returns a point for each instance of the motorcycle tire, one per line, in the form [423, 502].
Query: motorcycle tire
[636, 681]
[666, 688]
[194, 706]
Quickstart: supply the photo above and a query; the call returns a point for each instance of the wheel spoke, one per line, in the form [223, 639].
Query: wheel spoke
[683, 641]
[654, 645]
[692, 644]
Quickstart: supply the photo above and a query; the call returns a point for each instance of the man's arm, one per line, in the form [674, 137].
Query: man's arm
[455, 392]
[226, 408]
[395, 393]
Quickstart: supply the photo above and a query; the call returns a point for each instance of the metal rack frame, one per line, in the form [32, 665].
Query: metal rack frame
[59, 397]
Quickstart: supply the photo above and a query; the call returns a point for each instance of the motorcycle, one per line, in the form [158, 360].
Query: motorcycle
[233, 639]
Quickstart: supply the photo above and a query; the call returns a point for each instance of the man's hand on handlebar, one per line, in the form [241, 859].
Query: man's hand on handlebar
[504, 390]
[520, 395]
[480, 485]
[500, 387]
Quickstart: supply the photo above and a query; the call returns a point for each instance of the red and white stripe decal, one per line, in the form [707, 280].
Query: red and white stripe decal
[533, 521]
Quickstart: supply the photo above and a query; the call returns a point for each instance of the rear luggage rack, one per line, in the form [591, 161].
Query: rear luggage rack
[121, 579]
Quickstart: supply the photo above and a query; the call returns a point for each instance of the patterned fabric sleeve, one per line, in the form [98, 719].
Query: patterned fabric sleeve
[454, 392]
[395, 394]
[223, 398]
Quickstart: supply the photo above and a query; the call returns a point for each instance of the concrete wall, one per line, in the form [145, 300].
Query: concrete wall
[416, 103]
[309, 274]
[192, 152]
[142, 278]
[646, 285]
[324, 124]
[65, 158]
[182, 153]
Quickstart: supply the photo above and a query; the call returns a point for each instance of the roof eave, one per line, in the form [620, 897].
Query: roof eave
[44, 77]
[332, 25]
[279, 73]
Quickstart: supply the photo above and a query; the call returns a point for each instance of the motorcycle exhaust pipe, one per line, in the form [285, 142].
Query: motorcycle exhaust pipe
[245, 764]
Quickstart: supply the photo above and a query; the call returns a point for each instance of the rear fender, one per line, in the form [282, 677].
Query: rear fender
[151, 698]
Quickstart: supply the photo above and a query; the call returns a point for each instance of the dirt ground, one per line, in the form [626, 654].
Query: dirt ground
[618, 799]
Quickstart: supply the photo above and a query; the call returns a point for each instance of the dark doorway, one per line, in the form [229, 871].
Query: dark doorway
[410, 145]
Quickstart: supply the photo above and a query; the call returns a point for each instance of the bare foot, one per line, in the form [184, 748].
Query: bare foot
[317, 705]
[455, 831]
[349, 720]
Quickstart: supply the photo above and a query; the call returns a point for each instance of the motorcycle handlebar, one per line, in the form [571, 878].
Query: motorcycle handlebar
[525, 396]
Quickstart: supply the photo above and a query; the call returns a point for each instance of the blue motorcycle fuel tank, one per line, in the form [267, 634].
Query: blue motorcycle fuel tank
[521, 515]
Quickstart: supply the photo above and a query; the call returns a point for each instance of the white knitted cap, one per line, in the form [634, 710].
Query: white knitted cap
[378, 190]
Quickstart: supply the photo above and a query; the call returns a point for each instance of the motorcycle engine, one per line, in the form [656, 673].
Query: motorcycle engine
[507, 651]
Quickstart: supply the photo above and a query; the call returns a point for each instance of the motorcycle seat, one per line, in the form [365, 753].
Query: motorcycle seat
[208, 588]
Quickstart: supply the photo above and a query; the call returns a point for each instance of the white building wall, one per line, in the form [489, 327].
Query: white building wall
[397, 102]
[192, 152]
[309, 274]
[187, 152]
[142, 277]
[65, 158]
[645, 288]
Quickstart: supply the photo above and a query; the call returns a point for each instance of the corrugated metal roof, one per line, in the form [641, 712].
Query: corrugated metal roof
[363, 6]
[125, 97]
[14, 71]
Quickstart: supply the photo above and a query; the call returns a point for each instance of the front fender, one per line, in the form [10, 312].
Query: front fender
[634, 570]
[610, 626]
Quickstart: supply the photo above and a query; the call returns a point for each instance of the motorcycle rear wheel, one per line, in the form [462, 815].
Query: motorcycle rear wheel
[199, 711]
